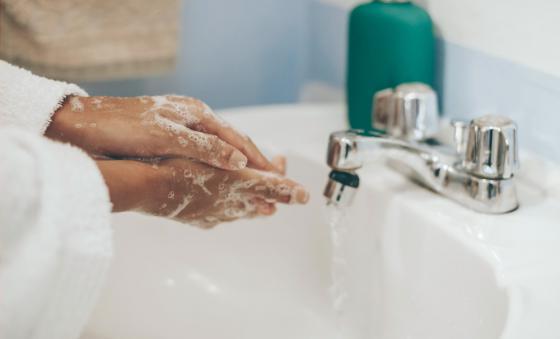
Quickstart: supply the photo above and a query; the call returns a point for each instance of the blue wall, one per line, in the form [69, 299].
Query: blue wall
[473, 83]
[327, 27]
[470, 83]
[248, 52]
[232, 53]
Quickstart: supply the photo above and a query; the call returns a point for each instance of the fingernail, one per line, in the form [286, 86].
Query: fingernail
[299, 195]
[237, 160]
[266, 210]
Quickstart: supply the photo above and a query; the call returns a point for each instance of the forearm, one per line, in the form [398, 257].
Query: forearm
[127, 181]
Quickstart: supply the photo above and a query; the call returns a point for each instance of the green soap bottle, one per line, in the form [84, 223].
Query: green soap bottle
[390, 42]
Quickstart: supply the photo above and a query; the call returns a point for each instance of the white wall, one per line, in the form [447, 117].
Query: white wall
[494, 56]
[523, 31]
[526, 32]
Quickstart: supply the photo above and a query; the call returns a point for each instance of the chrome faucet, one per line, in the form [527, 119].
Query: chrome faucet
[477, 169]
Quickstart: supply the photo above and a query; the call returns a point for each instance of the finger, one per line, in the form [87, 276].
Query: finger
[257, 160]
[205, 225]
[215, 125]
[274, 188]
[279, 162]
[210, 150]
[263, 208]
[266, 209]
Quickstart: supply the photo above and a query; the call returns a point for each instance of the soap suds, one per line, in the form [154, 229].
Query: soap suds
[199, 179]
[186, 201]
[201, 140]
[76, 105]
[169, 125]
[176, 115]
[96, 103]
[180, 106]
[183, 142]
[235, 202]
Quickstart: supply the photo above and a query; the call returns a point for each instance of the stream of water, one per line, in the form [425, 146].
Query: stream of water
[338, 291]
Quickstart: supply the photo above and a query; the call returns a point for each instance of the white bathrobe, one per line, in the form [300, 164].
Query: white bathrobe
[55, 234]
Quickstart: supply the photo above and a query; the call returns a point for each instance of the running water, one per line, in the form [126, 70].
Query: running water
[338, 291]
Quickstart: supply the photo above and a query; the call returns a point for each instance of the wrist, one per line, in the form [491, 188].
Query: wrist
[129, 183]
[63, 120]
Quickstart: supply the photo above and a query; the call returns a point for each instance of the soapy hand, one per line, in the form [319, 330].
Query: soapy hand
[154, 127]
[196, 193]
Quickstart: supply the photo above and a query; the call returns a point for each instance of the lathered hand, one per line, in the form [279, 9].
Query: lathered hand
[195, 193]
[148, 127]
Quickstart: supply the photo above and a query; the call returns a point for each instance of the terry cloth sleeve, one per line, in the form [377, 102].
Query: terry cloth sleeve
[28, 101]
[55, 237]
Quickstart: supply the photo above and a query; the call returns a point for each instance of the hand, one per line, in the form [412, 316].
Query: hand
[149, 127]
[195, 193]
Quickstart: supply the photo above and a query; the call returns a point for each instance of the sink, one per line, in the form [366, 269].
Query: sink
[415, 264]
[241, 280]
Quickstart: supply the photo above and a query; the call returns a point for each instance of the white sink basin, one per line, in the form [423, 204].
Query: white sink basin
[418, 266]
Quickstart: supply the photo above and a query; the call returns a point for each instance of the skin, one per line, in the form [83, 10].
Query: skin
[147, 127]
[195, 193]
[171, 156]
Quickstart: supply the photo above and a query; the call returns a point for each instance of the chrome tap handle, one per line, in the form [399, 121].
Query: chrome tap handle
[460, 131]
[383, 110]
[410, 112]
[491, 150]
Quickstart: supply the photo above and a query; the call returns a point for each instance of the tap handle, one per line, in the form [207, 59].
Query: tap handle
[408, 112]
[383, 110]
[491, 150]
[460, 130]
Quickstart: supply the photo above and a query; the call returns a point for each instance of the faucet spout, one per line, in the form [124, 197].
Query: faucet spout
[436, 167]
[341, 188]
[477, 173]
[350, 150]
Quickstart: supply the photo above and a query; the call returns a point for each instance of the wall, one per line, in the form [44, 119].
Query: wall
[524, 32]
[498, 56]
[502, 56]
[232, 53]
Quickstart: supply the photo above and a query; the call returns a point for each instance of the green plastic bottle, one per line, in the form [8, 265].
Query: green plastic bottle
[390, 42]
